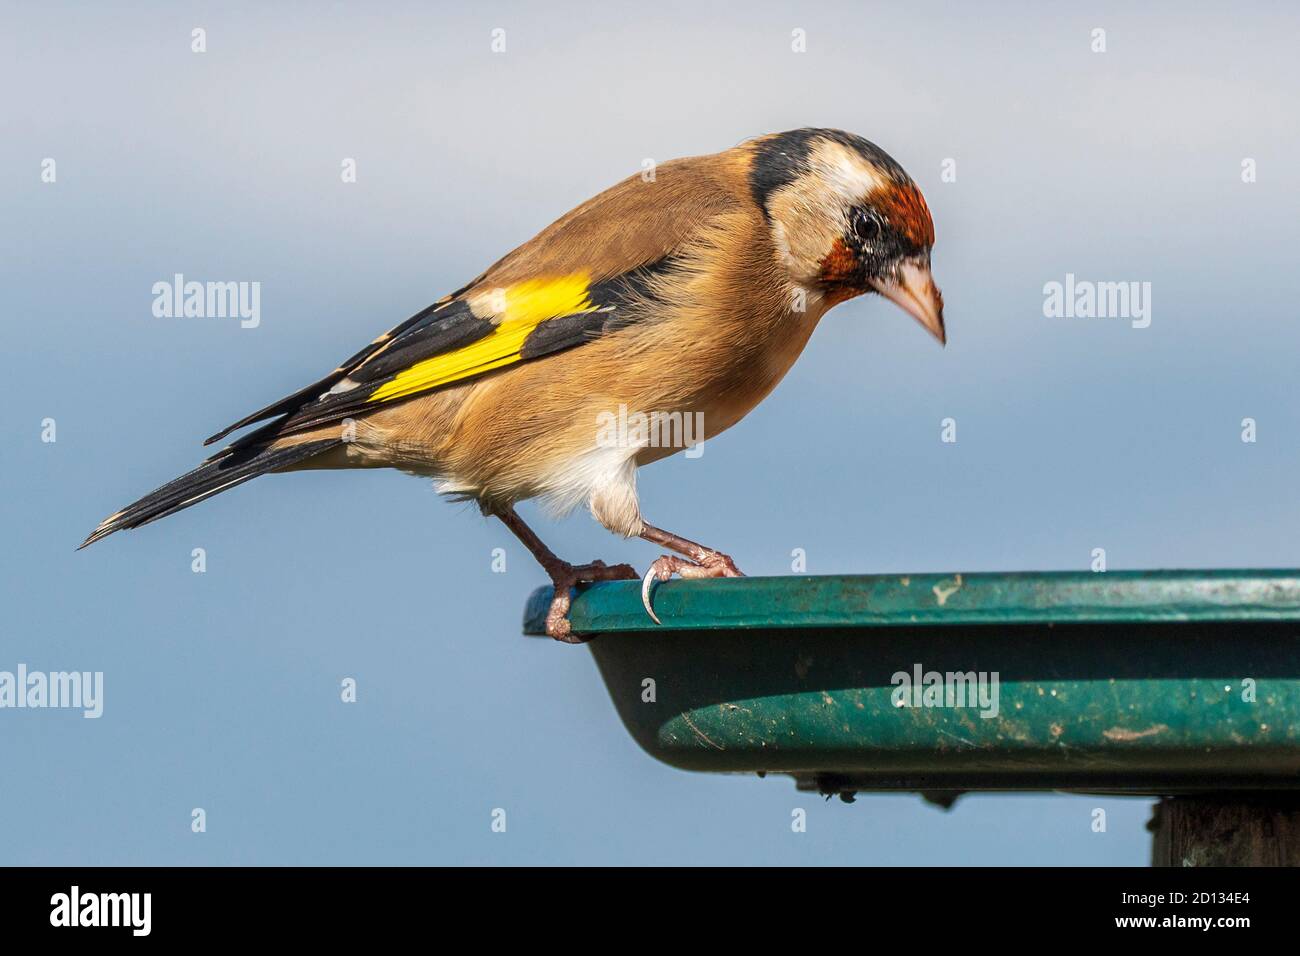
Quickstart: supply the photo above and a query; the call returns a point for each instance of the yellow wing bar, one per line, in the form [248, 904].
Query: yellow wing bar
[516, 310]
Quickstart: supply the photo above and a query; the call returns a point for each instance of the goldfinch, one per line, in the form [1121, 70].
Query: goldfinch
[687, 293]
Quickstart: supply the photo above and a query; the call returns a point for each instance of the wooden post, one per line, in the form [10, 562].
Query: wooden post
[1226, 830]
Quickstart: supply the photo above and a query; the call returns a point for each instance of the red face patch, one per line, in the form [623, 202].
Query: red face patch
[839, 273]
[840, 264]
[905, 208]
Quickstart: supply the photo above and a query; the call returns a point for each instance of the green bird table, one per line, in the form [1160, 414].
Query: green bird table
[1184, 685]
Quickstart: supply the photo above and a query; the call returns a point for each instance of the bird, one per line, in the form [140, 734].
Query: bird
[688, 291]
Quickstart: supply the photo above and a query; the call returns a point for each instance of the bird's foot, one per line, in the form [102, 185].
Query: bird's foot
[565, 576]
[714, 564]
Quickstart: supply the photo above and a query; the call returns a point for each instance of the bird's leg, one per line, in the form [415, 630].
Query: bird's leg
[700, 562]
[562, 574]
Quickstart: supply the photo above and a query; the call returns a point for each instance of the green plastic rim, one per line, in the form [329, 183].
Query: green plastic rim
[855, 601]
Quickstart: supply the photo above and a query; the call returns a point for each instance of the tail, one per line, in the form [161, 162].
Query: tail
[234, 466]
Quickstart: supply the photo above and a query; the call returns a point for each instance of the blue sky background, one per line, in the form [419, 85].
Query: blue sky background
[222, 689]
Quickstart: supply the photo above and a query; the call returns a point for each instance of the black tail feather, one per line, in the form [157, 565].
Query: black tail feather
[213, 476]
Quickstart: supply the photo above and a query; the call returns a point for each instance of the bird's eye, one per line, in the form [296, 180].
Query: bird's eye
[866, 226]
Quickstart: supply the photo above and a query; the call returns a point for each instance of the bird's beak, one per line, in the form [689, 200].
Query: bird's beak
[914, 291]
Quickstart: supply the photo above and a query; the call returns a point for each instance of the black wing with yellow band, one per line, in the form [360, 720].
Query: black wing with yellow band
[455, 341]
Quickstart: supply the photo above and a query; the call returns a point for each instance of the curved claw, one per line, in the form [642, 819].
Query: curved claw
[646, 584]
[715, 565]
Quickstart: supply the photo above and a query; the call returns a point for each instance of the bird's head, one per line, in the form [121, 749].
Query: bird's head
[846, 219]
